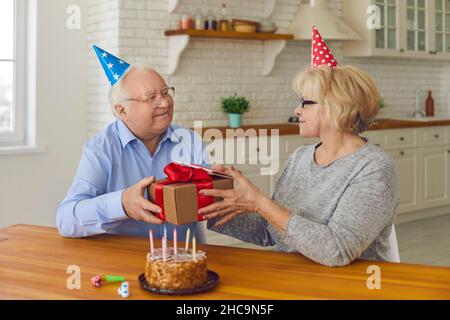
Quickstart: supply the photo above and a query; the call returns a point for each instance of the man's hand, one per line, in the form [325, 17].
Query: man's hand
[136, 206]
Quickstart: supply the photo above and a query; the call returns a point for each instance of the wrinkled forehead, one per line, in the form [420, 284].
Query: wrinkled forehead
[143, 82]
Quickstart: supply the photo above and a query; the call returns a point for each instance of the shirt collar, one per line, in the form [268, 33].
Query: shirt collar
[171, 135]
[126, 136]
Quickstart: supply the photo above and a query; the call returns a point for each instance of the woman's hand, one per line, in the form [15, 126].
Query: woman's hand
[244, 198]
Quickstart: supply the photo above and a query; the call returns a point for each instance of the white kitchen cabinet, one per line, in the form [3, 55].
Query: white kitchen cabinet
[394, 139]
[408, 28]
[416, 23]
[435, 136]
[422, 159]
[448, 172]
[374, 137]
[406, 138]
[435, 172]
[408, 166]
[427, 29]
[374, 42]
[441, 37]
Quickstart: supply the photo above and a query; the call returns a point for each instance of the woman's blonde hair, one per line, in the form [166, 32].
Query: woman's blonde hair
[349, 96]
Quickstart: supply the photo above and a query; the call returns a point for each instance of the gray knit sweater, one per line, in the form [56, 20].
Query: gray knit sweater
[339, 212]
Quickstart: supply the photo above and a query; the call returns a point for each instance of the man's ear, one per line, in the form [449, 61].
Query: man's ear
[120, 111]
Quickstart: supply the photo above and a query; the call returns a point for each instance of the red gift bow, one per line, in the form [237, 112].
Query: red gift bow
[177, 173]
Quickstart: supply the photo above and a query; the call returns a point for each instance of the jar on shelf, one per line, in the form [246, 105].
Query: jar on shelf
[224, 23]
[199, 20]
[211, 21]
[186, 21]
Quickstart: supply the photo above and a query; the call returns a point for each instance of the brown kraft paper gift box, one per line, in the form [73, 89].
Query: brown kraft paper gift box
[180, 199]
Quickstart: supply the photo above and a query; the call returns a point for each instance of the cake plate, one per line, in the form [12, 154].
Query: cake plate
[213, 279]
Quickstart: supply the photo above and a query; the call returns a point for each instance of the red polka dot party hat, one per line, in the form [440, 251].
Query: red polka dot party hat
[320, 52]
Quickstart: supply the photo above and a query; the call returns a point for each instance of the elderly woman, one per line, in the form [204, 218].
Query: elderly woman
[335, 201]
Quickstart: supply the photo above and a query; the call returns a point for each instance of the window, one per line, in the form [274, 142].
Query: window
[12, 72]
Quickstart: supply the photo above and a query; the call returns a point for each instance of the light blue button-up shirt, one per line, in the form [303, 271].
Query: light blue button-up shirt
[112, 161]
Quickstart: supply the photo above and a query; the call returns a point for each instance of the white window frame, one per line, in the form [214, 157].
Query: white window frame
[23, 128]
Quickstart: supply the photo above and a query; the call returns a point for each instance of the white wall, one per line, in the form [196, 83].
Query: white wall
[209, 69]
[32, 185]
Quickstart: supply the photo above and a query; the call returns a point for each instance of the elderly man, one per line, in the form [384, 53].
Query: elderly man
[108, 194]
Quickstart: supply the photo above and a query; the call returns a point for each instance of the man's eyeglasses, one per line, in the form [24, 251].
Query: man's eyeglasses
[304, 102]
[154, 100]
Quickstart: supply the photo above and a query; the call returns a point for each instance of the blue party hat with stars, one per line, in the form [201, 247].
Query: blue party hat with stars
[114, 67]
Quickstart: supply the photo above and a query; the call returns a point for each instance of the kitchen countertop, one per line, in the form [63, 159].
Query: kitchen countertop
[380, 124]
[34, 260]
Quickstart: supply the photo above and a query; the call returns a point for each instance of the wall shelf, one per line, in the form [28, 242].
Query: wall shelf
[179, 40]
[229, 34]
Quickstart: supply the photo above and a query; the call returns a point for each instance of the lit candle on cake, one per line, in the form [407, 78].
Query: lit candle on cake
[175, 241]
[150, 234]
[164, 241]
[165, 231]
[194, 249]
[187, 239]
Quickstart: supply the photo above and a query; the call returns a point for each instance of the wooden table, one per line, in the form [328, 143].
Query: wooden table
[34, 260]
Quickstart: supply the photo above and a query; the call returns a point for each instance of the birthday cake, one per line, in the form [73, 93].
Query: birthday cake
[175, 271]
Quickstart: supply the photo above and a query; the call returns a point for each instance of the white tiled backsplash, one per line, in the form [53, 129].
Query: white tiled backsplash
[209, 69]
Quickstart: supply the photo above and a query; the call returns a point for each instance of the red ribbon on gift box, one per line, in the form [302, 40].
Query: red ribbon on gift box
[177, 173]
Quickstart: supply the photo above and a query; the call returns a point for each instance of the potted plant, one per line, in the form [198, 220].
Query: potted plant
[235, 106]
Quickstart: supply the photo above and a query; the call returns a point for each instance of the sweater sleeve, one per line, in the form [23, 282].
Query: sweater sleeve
[366, 207]
[249, 227]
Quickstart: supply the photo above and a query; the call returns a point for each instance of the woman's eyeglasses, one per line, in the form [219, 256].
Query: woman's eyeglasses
[304, 102]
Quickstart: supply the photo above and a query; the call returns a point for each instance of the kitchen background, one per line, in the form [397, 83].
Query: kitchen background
[209, 69]
[69, 101]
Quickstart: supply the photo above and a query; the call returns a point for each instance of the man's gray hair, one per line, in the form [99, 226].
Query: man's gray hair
[117, 93]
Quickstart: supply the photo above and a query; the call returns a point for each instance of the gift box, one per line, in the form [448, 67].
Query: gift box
[178, 194]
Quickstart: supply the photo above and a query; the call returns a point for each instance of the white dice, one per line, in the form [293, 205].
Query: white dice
[123, 291]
